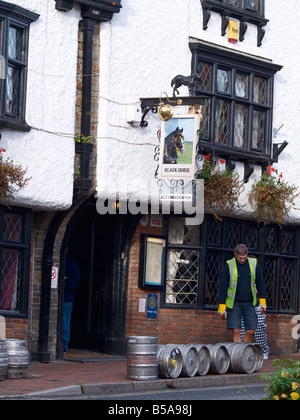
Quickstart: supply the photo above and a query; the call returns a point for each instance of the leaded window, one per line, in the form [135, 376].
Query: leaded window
[14, 42]
[237, 114]
[197, 254]
[14, 260]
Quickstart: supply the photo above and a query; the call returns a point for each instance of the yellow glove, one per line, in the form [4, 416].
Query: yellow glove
[262, 305]
[222, 311]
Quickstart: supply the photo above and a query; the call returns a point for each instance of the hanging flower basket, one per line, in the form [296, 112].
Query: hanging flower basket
[272, 198]
[222, 188]
[12, 177]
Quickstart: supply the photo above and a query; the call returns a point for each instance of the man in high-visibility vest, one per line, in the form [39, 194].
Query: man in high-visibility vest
[241, 280]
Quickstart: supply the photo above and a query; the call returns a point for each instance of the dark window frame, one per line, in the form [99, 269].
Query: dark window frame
[278, 260]
[16, 18]
[237, 64]
[23, 246]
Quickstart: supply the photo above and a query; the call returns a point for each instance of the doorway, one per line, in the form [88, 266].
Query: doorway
[99, 245]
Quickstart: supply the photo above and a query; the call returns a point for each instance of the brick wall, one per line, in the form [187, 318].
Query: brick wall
[188, 326]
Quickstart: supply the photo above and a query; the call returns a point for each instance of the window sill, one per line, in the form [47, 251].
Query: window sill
[8, 122]
[233, 153]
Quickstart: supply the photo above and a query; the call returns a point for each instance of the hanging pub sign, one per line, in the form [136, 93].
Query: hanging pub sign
[179, 138]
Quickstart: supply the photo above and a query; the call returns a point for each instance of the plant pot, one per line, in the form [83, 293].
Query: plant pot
[84, 148]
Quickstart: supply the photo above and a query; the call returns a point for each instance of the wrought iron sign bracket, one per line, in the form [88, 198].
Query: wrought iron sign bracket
[152, 104]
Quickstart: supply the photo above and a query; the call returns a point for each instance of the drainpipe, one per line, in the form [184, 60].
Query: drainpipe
[88, 28]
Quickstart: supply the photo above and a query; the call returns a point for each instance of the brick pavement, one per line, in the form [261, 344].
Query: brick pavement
[59, 374]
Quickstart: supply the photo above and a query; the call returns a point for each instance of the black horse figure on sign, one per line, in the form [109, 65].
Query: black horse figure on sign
[190, 81]
[174, 143]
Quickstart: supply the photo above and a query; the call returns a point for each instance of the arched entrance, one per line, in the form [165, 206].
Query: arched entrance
[99, 244]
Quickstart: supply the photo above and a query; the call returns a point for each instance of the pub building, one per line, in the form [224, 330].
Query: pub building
[93, 93]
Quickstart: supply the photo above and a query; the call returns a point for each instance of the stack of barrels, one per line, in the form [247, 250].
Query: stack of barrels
[14, 359]
[146, 360]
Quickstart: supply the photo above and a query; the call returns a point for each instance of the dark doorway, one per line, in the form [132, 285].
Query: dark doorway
[98, 244]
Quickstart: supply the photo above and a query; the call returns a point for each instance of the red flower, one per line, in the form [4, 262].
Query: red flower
[280, 176]
[207, 157]
[269, 172]
[222, 161]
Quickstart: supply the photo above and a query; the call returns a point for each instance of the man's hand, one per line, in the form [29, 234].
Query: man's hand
[262, 305]
[222, 311]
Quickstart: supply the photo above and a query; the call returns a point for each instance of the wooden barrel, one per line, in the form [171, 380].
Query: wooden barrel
[142, 358]
[169, 362]
[3, 360]
[204, 359]
[190, 360]
[220, 359]
[243, 357]
[18, 358]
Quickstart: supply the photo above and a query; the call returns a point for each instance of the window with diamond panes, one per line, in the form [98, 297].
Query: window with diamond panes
[14, 261]
[197, 255]
[237, 114]
[256, 6]
[14, 37]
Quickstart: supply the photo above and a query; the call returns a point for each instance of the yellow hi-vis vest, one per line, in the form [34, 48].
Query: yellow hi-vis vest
[233, 272]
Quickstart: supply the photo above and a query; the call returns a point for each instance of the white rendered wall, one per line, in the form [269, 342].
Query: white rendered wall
[145, 46]
[48, 149]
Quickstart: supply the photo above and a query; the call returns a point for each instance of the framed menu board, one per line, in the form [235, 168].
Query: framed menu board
[152, 261]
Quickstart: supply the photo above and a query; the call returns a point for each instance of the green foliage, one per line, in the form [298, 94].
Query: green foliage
[80, 138]
[284, 383]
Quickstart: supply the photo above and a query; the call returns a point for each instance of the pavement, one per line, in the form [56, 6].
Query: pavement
[94, 374]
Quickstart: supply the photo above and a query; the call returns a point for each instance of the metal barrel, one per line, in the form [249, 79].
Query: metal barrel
[3, 360]
[220, 359]
[169, 362]
[259, 356]
[18, 358]
[190, 360]
[142, 362]
[204, 359]
[243, 357]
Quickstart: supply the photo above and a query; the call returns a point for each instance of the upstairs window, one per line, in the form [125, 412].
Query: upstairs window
[237, 116]
[256, 6]
[14, 40]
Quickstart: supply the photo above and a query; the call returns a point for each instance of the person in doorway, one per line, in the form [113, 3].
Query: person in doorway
[72, 281]
[241, 277]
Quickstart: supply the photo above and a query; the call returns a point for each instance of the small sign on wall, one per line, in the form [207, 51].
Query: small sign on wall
[152, 306]
[54, 277]
[233, 31]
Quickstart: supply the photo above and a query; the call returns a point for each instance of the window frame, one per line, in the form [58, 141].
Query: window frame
[12, 16]
[225, 251]
[24, 247]
[236, 64]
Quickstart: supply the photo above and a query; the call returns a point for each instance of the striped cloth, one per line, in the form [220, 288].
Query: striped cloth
[260, 335]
